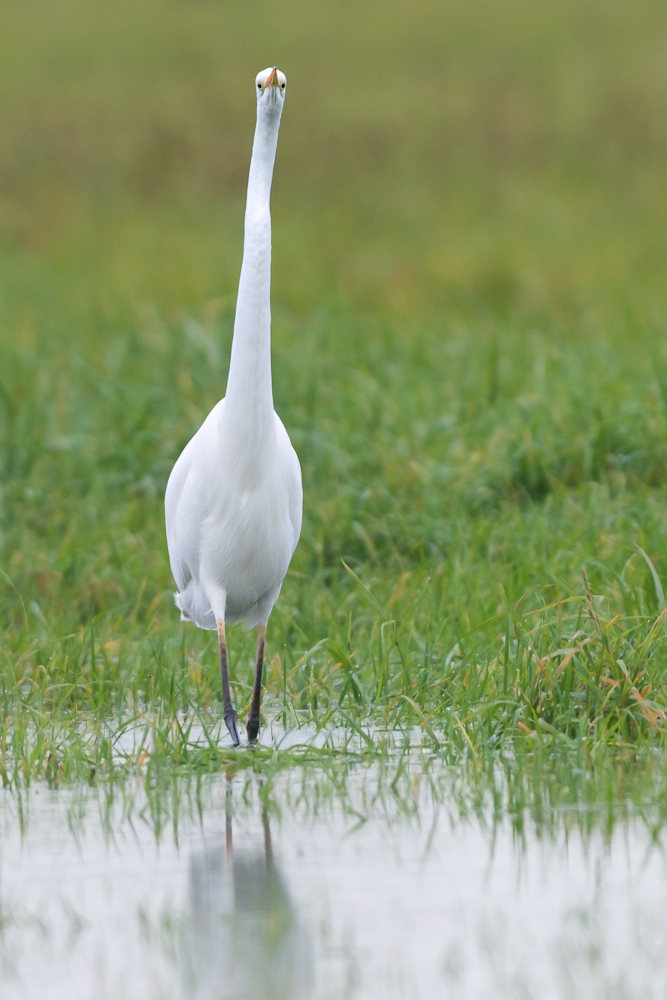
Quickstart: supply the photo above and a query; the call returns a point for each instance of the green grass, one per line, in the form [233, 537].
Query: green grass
[470, 244]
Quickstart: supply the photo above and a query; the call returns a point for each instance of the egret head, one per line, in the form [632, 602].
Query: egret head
[270, 87]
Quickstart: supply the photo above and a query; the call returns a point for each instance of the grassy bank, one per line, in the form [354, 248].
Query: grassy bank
[469, 354]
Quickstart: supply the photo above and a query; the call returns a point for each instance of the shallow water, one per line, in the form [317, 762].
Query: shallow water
[231, 892]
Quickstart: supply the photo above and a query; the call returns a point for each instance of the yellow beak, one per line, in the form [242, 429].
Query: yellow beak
[272, 79]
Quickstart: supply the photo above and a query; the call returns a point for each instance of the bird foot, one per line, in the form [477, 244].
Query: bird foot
[252, 729]
[230, 722]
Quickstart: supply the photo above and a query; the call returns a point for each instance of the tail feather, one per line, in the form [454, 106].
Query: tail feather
[178, 600]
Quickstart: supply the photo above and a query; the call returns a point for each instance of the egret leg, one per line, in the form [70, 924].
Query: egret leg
[230, 715]
[253, 719]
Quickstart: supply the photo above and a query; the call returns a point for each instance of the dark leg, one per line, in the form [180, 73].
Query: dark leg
[253, 719]
[229, 713]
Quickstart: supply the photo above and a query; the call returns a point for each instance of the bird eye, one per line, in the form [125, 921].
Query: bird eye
[259, 86]
[282, 86]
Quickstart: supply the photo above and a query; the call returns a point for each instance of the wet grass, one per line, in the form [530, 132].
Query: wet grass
[543, 794]
[469, 354]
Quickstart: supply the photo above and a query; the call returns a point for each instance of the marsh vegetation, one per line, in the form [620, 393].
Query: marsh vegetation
[469, 304]
[469, 311]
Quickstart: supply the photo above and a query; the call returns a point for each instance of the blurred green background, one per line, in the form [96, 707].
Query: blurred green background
[434, 156]
[469, 297]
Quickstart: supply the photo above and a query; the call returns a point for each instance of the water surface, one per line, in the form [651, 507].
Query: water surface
[394, 889]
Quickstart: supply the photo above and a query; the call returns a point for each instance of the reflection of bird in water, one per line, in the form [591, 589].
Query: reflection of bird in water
[246, 941]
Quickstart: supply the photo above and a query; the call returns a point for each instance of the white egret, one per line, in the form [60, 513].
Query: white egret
[234, 497]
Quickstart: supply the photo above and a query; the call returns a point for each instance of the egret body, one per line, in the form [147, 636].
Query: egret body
[234, 497]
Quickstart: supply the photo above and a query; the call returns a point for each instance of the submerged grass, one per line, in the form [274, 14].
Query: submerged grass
[469, 354]
[545, 793]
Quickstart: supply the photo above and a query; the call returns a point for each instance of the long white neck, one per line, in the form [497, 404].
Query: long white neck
[249, 398]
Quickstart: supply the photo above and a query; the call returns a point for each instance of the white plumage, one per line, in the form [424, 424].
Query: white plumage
[231, 528]
[234, 498]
